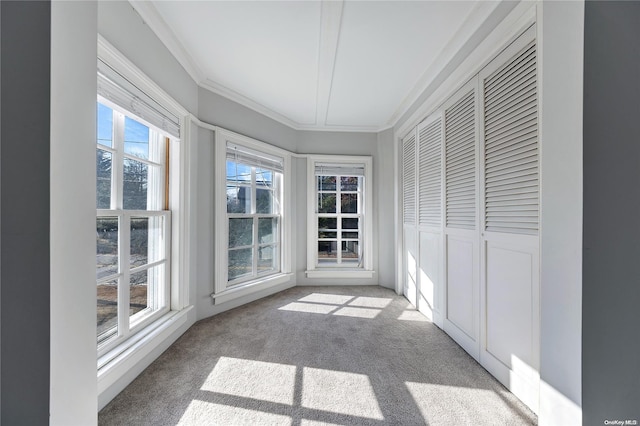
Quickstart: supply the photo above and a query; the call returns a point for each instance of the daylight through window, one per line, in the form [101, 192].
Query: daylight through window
[132, 226]
[254, 214]
[339, 212]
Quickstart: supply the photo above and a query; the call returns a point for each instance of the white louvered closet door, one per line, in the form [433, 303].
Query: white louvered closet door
[409, 196]
[461, 320]
[430, 161]
[510, 218]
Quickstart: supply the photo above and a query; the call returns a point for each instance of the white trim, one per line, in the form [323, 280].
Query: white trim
[221, 289]
[312, 223]
[474, 20]
[157, 24]
[521, 18]
[128, 70]
[114, 365]
[153, 19]
[250, 288]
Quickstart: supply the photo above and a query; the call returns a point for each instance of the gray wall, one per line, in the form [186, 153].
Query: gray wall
[24, 188]
[121, 25]
[611, 278]
[218, 110]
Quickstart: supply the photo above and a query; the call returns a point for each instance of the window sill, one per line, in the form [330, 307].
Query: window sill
[339, 273]
[251, 287]
[122, 358]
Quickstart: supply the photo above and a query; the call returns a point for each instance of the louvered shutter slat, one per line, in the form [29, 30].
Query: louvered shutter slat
[460, 156]
[409, 179]
[511, 146]
[430, 186]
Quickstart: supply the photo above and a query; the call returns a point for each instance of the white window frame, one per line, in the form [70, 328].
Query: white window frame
[225, 290]
[114, 361]
[365, 269]
[128, 325]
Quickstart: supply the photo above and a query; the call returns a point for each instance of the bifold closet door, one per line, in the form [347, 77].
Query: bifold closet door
[510, 218]
[461, 251]
[430, 242]
[409, 195]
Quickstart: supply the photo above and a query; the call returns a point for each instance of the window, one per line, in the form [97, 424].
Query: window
[252, 219]
[254, 192]
[132, 226]
[339, 219]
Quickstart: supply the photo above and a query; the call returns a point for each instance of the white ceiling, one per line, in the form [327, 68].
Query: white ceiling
[327, 65]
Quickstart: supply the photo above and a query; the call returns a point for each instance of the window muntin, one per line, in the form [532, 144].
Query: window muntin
[132, 229]
[254, 215]
[340, 214]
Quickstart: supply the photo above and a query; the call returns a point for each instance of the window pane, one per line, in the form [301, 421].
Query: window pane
[103, 181]
[327, 203]
[349, 250]
[238, 199]
[349, 203]
[237, 172]
[138, 292]
[106, 246]
[135, 185]
[327, 251]
[145, 289]
[264, 201]
[267, 257]
[349, 183]
[326, 183]
[353, 235]
[327, 223]
[267, 230]
[136, 138]
[325, 234]
[147, 240]
[107, 324]
[240, 232]
[240, 262]
[264, 178]
[104, 125]
[350, 223]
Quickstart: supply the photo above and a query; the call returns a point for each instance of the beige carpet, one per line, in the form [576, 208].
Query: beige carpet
[316, 355]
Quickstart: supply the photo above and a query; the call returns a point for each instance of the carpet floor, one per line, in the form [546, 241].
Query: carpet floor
[317, 356]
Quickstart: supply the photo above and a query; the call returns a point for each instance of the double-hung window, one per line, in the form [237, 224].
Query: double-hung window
[254, 194]
[133, 219]
[252, 222]
[339, 240]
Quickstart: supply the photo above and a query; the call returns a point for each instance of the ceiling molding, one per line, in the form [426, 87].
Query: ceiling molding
[330, 22]
[475, 18]
[154, 20]
[247, 102]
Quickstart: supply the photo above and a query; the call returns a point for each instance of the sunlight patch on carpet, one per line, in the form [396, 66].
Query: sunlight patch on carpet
[208, 413]
[309, 308]
[339, 392]
[264, 381]
[335, 299]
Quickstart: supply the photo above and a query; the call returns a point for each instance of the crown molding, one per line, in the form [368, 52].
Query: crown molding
[474, 20]
[241, 99]
[154, 20]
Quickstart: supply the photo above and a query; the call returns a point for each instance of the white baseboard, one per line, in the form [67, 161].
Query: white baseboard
[118, 373]
[557, 409]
